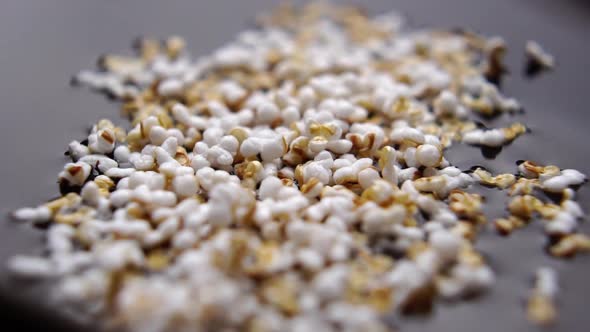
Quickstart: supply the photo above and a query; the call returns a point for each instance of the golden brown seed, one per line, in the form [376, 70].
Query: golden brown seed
[182, 156]
[68, 200]
[121, 64]
[541, 310]
[501, 181]
[309, 185]
[281, 292]
[514, 131]
[570, 245]
[157, 260]
[537, 170]
[174, 46]
[468, 255]
[505, 226]
[466, 230]
[523, 186]
[466, 205]
[324, 130]
[524, 206]
[149, 49]
[548, 211]
[75, 218]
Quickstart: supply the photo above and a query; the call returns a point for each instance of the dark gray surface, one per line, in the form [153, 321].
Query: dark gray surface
[43, 42]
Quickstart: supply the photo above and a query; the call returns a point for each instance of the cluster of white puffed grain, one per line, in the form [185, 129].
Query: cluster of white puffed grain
[293, 180]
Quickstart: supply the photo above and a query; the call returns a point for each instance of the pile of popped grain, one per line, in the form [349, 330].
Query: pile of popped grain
[293, 180]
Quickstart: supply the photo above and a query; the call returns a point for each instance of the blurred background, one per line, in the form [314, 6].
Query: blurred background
[43, 43]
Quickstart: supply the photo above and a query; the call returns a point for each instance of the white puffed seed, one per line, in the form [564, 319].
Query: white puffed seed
[367, 177]
[39, 214]
[567, 178]
[428, 155]
[445, 243]
[90, 194]
[76, 173]
[185, 185]
[31, 267]
[77, 150]
[102, 141]
[491, 138]
[102, 163]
